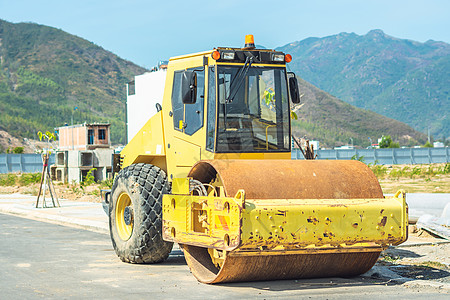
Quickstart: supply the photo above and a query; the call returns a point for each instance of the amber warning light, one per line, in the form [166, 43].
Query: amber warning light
[288, 58]
[249, 42]
[215, 55]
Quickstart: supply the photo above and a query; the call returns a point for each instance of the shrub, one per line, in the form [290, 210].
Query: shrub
[8, 179]
[379, 170]
[29, 178]
[89, 178]
[18, 150]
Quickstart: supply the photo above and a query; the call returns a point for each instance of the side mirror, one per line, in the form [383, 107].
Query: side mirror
[189, 87]
[294, 90]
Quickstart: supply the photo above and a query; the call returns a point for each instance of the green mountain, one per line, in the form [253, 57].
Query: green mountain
[402, 79]
[334, 122]
[46, 72]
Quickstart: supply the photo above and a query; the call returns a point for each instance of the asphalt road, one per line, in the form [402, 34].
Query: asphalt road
[42, 260]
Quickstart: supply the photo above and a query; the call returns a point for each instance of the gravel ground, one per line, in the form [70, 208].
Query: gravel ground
[423, 257]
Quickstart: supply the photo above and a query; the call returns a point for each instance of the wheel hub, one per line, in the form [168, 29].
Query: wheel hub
[124, 216]
[128, 215]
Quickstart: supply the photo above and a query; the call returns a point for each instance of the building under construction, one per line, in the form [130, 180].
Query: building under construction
[83, 147]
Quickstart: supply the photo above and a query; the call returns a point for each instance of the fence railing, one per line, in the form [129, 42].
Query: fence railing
[391, 156]
[25, 163]
[31, 163]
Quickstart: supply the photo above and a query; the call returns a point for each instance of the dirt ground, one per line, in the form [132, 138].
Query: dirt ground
[435, 184]
[422, 257]
[426, 178]
[63, 191]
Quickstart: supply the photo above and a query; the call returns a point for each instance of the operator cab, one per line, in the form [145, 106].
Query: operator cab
[248, 108]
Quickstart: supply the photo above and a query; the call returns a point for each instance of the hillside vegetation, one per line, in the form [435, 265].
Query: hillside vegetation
[334, 122]
[402, 79]
[45, 73]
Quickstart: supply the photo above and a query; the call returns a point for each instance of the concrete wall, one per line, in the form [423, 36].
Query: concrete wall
[73, 165]
[25, 163]
[392, 156]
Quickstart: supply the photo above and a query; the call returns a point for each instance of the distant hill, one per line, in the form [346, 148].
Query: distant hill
[334, 122]
[46, 72]
[402, 79]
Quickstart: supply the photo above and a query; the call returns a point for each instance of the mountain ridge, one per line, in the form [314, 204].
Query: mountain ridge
[398, 78]
[45, 73]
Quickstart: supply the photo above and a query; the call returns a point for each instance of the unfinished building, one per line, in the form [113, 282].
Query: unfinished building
[83, 147]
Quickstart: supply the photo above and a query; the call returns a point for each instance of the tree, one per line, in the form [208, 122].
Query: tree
[428, 145]
[385, 141]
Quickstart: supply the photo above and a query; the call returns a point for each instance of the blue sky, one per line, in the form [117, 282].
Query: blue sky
[148, 31]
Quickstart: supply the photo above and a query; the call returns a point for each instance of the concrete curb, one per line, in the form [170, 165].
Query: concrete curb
[69, 222]
[82, 215]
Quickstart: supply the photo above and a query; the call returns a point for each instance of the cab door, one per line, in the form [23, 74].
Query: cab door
[184, 145]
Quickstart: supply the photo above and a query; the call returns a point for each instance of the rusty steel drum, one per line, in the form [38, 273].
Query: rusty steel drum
[285, 179]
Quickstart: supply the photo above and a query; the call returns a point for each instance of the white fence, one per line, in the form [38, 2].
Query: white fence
[25, 163]
[391, 156]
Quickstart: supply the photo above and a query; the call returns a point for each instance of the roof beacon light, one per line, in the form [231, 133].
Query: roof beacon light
[249, 42]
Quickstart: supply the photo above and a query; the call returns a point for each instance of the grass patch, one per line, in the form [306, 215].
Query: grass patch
[396, 172]
[389, 258]
[433, 264]
[24, 179]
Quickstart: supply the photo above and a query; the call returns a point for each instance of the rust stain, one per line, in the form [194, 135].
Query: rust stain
[313, 220]
[355, 225]
[381, 211]
[383, 221]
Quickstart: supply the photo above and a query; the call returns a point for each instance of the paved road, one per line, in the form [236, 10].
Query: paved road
[42, 260]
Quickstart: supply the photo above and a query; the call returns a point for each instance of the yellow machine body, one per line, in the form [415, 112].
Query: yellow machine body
[263, 216]
[283, 225]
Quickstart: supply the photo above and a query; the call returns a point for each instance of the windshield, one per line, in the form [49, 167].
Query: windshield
[257, 117]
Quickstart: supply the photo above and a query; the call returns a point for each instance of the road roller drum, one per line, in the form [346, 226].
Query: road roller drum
[272, 219]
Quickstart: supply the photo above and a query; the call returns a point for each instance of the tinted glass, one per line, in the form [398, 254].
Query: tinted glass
[194, 112]
[177, 104]
[211, 123]
[257, 120]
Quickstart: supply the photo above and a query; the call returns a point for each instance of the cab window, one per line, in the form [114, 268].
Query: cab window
[190, 115]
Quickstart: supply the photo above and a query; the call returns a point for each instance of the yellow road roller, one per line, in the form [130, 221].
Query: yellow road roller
[211, 170]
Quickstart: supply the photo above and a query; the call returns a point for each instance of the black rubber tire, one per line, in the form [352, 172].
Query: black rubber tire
[145, 184]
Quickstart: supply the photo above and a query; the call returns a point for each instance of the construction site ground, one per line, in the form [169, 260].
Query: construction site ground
[420, 266]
